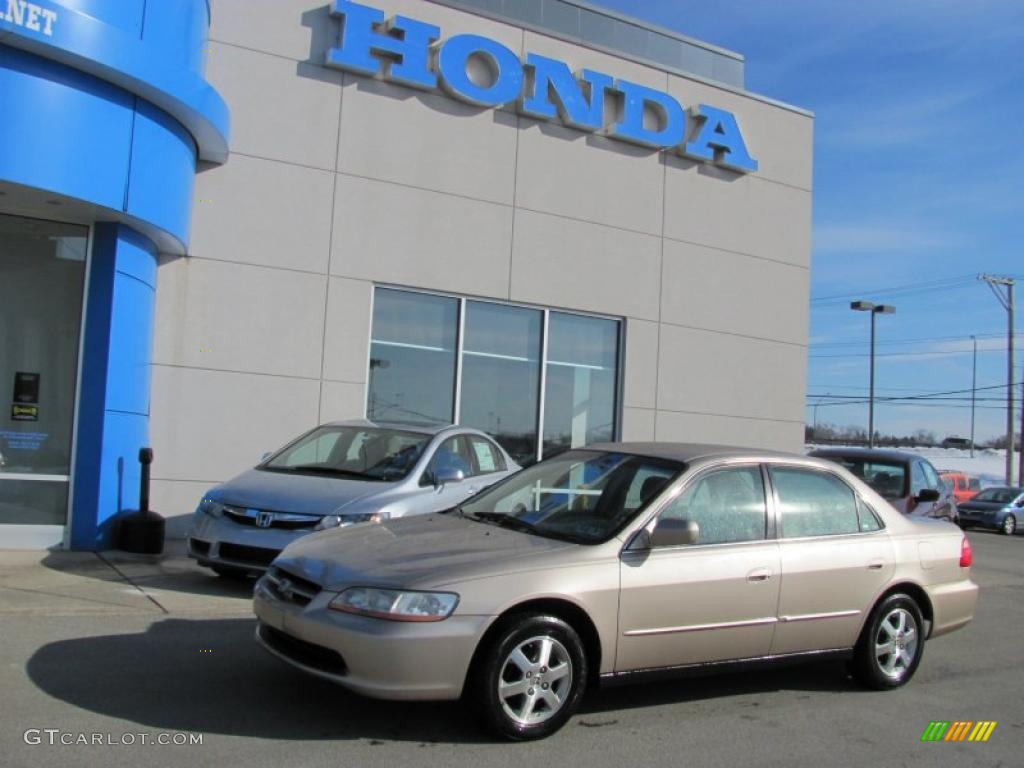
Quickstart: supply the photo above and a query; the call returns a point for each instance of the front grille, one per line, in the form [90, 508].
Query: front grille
[308, 654]
[199, 547]
[282, 520]
[243, 554]
[291, 588]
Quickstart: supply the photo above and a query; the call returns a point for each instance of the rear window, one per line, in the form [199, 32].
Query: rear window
[888, 479]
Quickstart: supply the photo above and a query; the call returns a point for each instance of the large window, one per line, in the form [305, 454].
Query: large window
[539, 381]
[581, 381]
[412, 358]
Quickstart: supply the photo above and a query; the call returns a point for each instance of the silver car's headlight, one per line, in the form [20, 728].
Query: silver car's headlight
[396, 605]
[211, 507]
[341, 521]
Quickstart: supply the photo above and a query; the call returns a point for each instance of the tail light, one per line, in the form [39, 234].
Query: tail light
[966, 555]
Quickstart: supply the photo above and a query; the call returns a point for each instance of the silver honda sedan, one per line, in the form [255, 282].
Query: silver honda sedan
[335, 476]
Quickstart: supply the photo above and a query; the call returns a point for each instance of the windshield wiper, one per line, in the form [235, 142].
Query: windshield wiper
[505, 521]
[321, 469]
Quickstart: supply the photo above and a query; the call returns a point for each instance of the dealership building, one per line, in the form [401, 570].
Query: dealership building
[224, 222]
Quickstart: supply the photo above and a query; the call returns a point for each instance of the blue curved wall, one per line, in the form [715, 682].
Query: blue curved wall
[105, 103]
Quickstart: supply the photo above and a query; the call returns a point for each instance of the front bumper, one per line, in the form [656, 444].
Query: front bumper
[980, 521]
[219, 541]
[374, 657]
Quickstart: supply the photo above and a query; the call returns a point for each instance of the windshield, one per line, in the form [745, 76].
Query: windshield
[581, 496]
[888, 479]
[998, 495]
[369, 453]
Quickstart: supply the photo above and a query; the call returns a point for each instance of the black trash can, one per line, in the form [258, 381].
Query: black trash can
[141, 531]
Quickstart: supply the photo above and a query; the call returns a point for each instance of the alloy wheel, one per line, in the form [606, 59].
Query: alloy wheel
[535, 680]
[1009, 525]
[896, 643]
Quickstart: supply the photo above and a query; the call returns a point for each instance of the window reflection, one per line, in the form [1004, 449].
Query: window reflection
[412, 357]
[579, 404]
[414, 351]
[501, 375]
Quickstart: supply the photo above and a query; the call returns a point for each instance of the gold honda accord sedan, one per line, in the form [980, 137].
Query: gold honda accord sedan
[611, 564]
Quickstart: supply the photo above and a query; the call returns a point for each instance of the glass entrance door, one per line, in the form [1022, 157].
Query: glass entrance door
[42, 274]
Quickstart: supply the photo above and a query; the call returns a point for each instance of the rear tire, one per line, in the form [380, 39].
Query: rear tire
[530, 677]
[891, 645]
[1009, 526]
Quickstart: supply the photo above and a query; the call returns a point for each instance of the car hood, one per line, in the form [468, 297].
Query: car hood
[415, 551]
[980, 506]
[301, 494]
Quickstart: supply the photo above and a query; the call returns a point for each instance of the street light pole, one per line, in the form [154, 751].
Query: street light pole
[874, 309]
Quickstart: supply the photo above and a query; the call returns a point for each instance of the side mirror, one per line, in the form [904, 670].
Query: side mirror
[266, 456]
[444, 476]
[928, 494]
[672, 532]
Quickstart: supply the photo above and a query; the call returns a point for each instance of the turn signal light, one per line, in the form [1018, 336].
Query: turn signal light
[966, 555]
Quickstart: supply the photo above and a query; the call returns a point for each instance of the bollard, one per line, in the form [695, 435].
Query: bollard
[142, 530]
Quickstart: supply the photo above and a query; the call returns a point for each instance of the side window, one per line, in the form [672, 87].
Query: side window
[918, 480]
[452, 454]
[488, 457]
[869, 520]
[814, 503]
[974, 484]
[727, 504]
[931, 477]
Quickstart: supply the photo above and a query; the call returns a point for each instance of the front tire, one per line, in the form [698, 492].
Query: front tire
[529, 680]
[891, 645]
[1009, 526]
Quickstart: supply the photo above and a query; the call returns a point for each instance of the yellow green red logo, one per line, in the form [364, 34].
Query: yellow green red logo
[958, 730]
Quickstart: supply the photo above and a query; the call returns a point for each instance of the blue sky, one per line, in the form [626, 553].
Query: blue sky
[919, 181]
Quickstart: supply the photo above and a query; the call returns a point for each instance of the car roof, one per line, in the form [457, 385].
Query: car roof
[404, 426]
[688, 452]
[867, 453]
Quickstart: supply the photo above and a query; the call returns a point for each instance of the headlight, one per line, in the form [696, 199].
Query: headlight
[211, 507]
[396, 605]
[341, 521]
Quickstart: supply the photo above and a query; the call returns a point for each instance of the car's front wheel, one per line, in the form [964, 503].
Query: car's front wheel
[1009, 525]
[530, 677]
[891, 645]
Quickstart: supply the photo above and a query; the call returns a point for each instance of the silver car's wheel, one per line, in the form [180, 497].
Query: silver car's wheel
[896, 643]
[1009, 525]
[535, 680]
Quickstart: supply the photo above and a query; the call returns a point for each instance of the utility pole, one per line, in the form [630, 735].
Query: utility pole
[1006, 299]
[974, 389]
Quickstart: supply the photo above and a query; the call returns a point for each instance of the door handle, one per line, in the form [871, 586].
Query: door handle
[876, 565]
[759, 574]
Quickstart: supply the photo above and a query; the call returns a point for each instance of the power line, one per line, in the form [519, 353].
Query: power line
[980, 336]
[905, 290]
[933, 353]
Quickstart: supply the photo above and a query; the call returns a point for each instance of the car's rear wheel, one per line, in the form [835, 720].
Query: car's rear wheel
[891, 645]
[530, 678]
[1009, 525]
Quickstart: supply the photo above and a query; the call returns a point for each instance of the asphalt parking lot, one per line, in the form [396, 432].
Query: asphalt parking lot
[133, 648]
